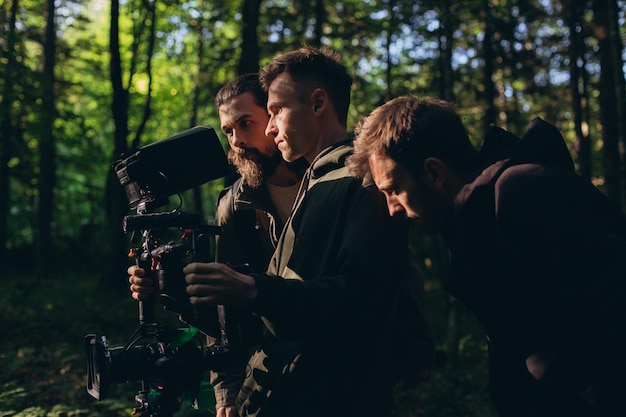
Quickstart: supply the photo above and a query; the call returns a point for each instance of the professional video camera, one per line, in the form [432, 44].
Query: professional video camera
[173, 362]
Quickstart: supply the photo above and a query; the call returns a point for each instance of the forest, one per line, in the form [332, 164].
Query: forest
[84, 82]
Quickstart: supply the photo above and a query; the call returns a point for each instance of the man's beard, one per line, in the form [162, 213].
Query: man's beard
[253, 170]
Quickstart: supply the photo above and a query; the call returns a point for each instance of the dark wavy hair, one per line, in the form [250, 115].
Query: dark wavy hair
[247, 83]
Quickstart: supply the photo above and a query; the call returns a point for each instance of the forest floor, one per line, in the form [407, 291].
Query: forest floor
[43, 359]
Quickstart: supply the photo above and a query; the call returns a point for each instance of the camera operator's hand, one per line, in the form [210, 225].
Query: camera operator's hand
[215, 283]
[229, 411]
[141, 287]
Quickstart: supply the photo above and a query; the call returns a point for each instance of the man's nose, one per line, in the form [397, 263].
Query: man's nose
[237, 141]
[270, 129]
[394, 207]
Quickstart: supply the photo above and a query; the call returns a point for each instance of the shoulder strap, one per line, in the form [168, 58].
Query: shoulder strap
[234, 186]
[245, 222]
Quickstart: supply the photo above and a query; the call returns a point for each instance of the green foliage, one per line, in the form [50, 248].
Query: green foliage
[458, 387]
[42, 360]
[392, 48]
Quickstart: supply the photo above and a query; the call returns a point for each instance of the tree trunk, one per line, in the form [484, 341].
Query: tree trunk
[608, 103]
[47, 171]
[116, 203]
[116, 199]
[320, 19]
[391, 26]
[445, 42]
[578, 84]
[618, 83]
[149, 22]
[7, 99]
[249, 61]
[491, 113]
[6, 133]
[198, 87]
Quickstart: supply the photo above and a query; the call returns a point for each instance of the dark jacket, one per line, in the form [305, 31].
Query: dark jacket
[329, 299]
[538, 255]
[250, 229]
[250, 226]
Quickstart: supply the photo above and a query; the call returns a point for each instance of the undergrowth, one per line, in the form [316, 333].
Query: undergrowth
[43, 360]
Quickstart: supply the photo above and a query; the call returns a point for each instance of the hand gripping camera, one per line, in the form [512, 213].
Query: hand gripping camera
[171, 362]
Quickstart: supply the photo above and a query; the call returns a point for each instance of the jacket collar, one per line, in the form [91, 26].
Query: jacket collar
[331, 158]
[246, 197]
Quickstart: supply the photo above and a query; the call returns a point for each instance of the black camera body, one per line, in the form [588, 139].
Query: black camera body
[170, 361]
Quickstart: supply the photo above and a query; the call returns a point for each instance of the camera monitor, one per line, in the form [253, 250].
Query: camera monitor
[152, 173]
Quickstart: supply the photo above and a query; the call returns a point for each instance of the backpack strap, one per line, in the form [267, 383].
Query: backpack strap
[250, 234]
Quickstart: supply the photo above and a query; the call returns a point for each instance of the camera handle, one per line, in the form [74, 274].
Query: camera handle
[145, 406]
[145, 261]
[201, 250]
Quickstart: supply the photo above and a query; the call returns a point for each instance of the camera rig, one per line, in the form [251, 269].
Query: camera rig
[171, 362]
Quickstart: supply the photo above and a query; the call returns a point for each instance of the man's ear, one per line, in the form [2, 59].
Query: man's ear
[435, 171]
[319, 99]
